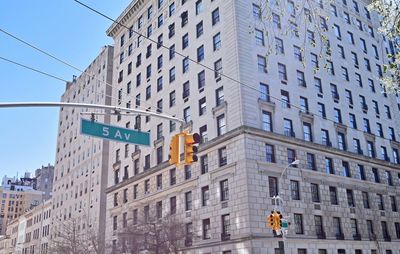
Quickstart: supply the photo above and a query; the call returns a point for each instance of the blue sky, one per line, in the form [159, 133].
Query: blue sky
[67, 30]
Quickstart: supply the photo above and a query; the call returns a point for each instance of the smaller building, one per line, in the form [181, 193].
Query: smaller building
[44, 180]
[30, 233]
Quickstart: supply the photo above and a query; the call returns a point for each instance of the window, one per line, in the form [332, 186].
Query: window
[301, 81]
[200, 53]
[371, 149]
[295, 190]
[217, 41]
[221, 125]
[285, 99]
[297, 53]
[204, 164]
[159, 209]
[188, 172]
[172, 176]
[381, 204]
[282, 72]
[341, 52]
[276, 20]
[159, 182]
[337, 225]
[203, 134]
[186, 115]
[115, 223]
[341, 141]
[321, 110]
[385, 231]
[315, 193]
[352, 121]
[388, 176]
[205, 195]
[350, 37]
[307, 133]
[259, 37]
[319, 230]
[206, 229]
[397, 229]
[171, 9]
[365, 198]
[219, 95]
[298, 224]
[311, 161]
[273, 186]
[314, 62]
[172, 52]
[288, 128]
[202, 106]
[218, 69]
[256, 11]
[346, 169]
[266, 121]
[329, 166]
[318, 85]
[325, 137]
[376, 175]
[279, 46]
[354, 228]
[387, 112]
[188, 201]
[338, 115]
[215, 17]
[199, 29]
[185, 41]
[226, 226]
[159, 84]
[336, 29]
[261, 63]
[350, 198]
[186, 90]
[224, 190]
[264, 92]
[333, 195]
[222, 156]
[367, 64]
[291, 155]
[361, 172]
[370, 228]
[172, 205]
[270, 155]
[393, 203]
[172, 99]
[199, 7]
[147, 186]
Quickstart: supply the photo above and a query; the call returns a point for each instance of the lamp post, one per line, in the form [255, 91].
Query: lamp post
[279, 201]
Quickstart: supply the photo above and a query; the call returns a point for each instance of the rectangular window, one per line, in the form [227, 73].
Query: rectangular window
[222, 156]
[217, 41]
[298, 224]
[311, 161]
[333, 195]
[319, 229]
[172, 205]
[205, 195]
[221, 125]
[273, 186]
[206, 229]
[269, 151]
[215, 17]
[188, 201]
[172, 176]
[204, 164]
[266, 121]
[315, 193]
[365, 198]
[224, 189]
[295, 190]
[350, 198]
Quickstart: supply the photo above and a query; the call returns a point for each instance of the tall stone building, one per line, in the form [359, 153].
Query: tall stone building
[327, 112]
[44, 180]
[80, 171]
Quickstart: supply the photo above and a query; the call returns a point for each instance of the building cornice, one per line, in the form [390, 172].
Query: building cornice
[129, 11]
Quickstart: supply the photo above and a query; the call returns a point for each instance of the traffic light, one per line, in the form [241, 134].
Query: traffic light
[274, 220]
[190, 147]
[278, 218]
[271, 221]
[174, 150]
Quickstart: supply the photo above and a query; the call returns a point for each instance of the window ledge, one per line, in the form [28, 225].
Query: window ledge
[220, 109]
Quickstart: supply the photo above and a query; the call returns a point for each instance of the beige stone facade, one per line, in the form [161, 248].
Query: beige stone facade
[80, 171]
[342, 197]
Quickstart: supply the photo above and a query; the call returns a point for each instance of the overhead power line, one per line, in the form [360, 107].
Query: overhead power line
[209, 68]
[73, 67]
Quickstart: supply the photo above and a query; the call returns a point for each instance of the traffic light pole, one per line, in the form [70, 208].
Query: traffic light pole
[115, 109]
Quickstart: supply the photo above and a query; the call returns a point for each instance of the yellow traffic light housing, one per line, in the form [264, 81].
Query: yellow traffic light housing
[274, 220]
[174, 150]
[191, 140]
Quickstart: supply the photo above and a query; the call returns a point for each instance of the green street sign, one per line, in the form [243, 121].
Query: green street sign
[114, 133]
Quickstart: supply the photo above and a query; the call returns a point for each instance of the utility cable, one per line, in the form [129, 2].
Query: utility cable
[210, 68]
[76, 68]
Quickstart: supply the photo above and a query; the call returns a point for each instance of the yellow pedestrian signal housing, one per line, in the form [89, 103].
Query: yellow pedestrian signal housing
[174, 150]
[191, 140]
